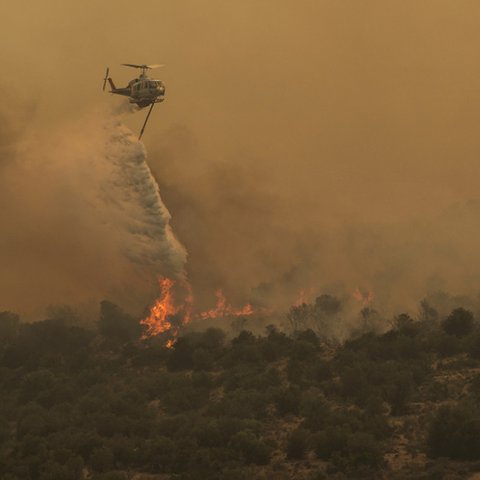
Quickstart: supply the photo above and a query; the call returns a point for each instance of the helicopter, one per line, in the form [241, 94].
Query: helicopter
[143, 91]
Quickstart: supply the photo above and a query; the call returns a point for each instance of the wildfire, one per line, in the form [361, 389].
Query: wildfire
[364, 297]
[303, 296]
[161, 318]
[158, 322]
[222, 309]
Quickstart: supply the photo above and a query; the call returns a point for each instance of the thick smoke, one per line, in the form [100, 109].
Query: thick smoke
[262, 248]
[82, 219]
[321, 148]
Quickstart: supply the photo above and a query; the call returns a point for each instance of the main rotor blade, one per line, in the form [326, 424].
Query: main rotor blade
[133, 65]
[146, 120]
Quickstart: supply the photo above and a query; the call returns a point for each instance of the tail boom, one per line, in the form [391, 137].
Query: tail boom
[118, 91]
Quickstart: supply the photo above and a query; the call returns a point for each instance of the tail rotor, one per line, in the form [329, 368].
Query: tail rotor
[106, 78]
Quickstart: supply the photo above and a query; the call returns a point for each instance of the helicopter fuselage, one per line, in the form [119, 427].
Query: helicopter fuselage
[143, 91]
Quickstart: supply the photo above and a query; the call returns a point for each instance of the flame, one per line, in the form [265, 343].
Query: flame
[223, 309]
[364, 297]
[159, 321]
[303, 296]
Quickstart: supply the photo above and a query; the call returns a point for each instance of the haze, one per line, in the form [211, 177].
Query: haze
[301, 143]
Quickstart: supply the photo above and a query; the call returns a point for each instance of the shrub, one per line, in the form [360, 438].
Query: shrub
[202, 359]
[329, 441]
[315, 410]
[116, 325]
[102, 459]
[297, 444]
[252, 449]
[474, 347]
[363, 449]
[9, 326]
[242, 404]
[455, 432]
[459, 323]
[287, 400]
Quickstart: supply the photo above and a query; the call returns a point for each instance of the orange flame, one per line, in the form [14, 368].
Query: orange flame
[365, 298]
[222, 309]
[158, 321]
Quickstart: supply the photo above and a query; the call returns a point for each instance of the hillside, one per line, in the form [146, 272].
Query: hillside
[99, 403]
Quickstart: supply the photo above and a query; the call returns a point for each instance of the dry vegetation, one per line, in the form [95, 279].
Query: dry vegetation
[79, 403]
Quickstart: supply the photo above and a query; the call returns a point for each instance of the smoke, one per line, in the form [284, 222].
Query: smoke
[82, 219]
[335, 149]
[247, 236]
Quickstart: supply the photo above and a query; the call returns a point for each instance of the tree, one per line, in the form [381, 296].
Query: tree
[297, 444]
[328, 305]
[426, 312]
[252, 449]
[287, 400]
[117, 325]
[363, 449]
[213, 339]
[315, 409]
[459, 323]
[405, 324]
[35, 383]
[9, 325]
[329, 441]
[455, 432]
[102, 459]
[299, 316]
[371, 319]
[202, 359]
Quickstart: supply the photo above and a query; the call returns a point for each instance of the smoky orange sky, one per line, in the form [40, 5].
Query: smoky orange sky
[303, 143]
